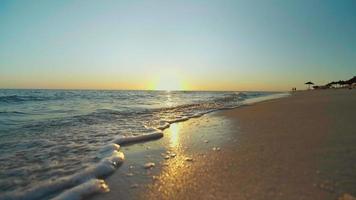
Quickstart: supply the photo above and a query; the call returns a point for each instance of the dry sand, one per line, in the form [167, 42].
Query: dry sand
[299, 147]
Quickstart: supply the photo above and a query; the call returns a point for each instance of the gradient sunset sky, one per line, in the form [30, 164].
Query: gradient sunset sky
[195, 45]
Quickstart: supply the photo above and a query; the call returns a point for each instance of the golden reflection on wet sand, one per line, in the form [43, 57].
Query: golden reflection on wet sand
[177, 166]
[173, 135]
[189, 154]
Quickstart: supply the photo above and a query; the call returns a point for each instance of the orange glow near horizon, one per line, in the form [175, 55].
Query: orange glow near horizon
[169, 82]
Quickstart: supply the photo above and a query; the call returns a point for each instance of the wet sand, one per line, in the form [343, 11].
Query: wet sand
[299, 147]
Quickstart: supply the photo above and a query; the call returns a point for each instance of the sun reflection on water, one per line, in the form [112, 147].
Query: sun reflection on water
[169, 101]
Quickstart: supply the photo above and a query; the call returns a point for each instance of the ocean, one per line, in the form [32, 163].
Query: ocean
[52, 141]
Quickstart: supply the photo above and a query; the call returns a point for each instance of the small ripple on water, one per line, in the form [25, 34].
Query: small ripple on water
[52, 146]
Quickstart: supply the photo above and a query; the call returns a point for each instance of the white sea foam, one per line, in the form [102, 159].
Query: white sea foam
[124, 140]
[164, 126]
[84, 190]
[85, 182]
[108, 150]
[196, 115]
[101, 170]
[181, 119]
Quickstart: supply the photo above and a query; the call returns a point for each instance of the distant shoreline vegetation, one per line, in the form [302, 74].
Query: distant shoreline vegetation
[351, 83]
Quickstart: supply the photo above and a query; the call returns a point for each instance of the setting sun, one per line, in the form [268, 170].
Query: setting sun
[168, 83]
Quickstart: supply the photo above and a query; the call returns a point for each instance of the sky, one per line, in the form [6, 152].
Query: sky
[164, 44]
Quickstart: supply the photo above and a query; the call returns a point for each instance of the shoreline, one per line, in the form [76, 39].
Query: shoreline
[223, 155]
[76, 185]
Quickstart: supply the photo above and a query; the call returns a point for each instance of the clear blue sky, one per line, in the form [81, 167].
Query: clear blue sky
[208, 45]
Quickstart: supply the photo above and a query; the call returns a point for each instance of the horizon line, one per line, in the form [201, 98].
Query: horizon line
[88, 89]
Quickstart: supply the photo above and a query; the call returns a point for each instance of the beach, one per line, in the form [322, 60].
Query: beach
[230, 99]
[298, 147]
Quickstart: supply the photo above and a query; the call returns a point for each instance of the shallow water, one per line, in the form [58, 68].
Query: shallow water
[53, 140]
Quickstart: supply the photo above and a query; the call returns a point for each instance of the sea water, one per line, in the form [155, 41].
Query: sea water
[60, 143]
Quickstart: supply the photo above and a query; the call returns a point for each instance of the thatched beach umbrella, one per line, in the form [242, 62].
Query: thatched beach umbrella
[309, 83]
